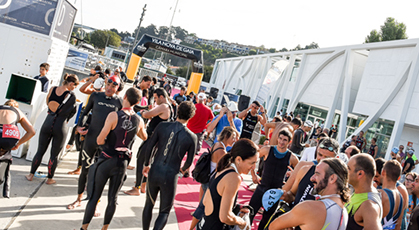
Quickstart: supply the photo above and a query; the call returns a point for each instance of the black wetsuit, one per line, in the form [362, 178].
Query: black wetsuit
[141, 154]
[6, 145]
[273, 177]
[100, 105]
[213, 222]
[304, 189]
[172, 140]
[112, 164]
[249, 124]
[54, 128]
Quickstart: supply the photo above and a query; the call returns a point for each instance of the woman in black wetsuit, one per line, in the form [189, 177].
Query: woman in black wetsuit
[119, 131]
[222, 195]
[61, 106]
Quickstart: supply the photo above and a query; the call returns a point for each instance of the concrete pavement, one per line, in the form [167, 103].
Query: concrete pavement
[36, 205]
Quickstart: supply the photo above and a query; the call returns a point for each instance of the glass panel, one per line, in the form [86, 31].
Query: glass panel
[273, 111]
[317, 112]
[302, 109]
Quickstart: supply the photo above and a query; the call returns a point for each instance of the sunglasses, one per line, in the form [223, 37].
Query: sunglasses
[113, 82]
[330, 148]
[410, 180]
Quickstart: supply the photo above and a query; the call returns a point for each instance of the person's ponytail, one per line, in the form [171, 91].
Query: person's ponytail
[224, 162]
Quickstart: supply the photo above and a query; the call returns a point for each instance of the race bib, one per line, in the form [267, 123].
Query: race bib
[10, 131]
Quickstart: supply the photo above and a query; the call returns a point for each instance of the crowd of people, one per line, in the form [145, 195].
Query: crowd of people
[323, 185]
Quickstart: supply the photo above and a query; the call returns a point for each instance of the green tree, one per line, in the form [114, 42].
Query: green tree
[373, 37]
[391, 30]
[101, 38]
[169, 71]
[284, 50]
[163, 31]
[180, 33]
[312, 45]
[272, 50]
[252, 52]
[181, 72]
[207, 73]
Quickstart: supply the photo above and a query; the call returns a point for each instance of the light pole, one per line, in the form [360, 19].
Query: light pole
[138, 28]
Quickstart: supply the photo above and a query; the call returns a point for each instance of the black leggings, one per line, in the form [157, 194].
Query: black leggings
[5, 177]
[139, 178]
[53, 128]
[166, 185]
[89, 150]
[256, 203]
[113, 169]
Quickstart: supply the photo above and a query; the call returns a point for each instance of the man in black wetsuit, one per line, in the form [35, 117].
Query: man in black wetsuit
[250, 118]
[119, 132]
[299, 186]
[172, 140]
[276, 162]
[299, 140]
[101, 104]
[161, 112]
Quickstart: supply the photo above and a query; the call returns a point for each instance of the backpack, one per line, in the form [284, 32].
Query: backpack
[202, 171]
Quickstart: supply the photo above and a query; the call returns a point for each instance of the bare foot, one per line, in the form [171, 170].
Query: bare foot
[75, 172]
[97, 213]
[130, 167]
[133, 192]
[143, 185]
[29, 177]
[50, 181]
[74, 205]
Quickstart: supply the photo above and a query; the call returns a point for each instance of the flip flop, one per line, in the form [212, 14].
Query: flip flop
[73, 205]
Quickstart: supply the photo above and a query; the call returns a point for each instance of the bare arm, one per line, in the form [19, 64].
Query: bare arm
[86, 87]
[294, 160]
[370, 213]
[293, 218]
[110, 124]
[214, 123]
[141, 131]
[49, 94]
[27, 126]
[287, 186]
[268, 126]
[156, 111]
[375, 151]
[230, 187]
[243, 113]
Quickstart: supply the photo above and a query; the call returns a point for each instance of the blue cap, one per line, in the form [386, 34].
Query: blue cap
[395, 150]
[271, 197]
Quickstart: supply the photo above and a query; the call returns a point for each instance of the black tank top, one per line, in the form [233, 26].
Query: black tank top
[249, 124]
[359, 142]
[274, 169]
[213, 221]
[372, 150]
[305, 187]
[154, 122]
[56, 98]
[120, 139]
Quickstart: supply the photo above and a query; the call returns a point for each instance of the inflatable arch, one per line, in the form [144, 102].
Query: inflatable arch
[158, 44]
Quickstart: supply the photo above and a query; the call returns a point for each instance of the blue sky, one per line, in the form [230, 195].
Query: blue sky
[273, 23]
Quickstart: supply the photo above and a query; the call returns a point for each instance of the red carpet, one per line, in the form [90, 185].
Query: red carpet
[187, 195]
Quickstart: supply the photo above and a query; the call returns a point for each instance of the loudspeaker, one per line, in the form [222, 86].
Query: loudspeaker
[243, 102]
[213, 92]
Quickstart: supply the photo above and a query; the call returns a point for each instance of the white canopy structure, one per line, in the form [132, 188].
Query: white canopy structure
[371, 87]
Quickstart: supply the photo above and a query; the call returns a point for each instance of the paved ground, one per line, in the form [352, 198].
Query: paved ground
[36, 205]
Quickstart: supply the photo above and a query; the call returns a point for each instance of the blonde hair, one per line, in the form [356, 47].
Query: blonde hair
[12, 103]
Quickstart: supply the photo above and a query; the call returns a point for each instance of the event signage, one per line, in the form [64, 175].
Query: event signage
[65, 22]
[148, 41]
[76, 59]
[33, 15]
[273, 75]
